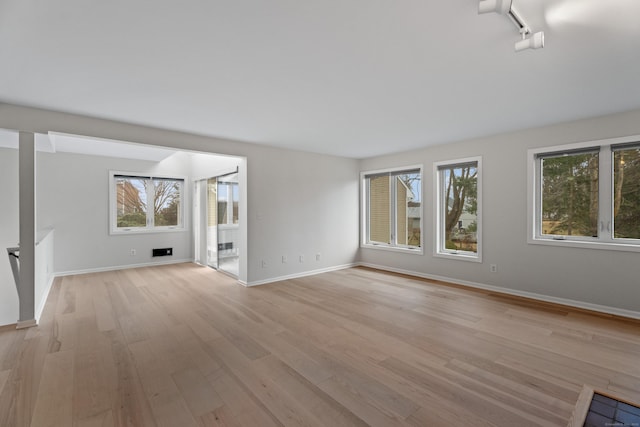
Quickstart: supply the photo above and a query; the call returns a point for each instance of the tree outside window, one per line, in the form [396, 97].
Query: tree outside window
[135, 194]
[458, 219]
[570, 195]
[626, 185]
[587, 194]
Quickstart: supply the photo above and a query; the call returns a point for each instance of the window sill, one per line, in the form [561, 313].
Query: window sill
[148, 231]
[412, 251]
[461, 256]
[610, 246]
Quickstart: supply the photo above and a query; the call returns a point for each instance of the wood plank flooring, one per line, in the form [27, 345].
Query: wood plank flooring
[183, 345]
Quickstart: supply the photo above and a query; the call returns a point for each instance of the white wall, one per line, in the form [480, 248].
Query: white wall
[296, 203]
[591, 276]
[73, 199]
[9, 233]
[301, 204]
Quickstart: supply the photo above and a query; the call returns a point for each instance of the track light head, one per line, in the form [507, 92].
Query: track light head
[536, 41]
[503, 7]
[498, 6]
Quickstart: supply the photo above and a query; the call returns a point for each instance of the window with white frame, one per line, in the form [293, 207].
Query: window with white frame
[392, 208]
[458, 208]
[228, 199]
[587, 194]
[143, 203]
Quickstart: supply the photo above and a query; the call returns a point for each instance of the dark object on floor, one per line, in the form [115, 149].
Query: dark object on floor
[607, 412]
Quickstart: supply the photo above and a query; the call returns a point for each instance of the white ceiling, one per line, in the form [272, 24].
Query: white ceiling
[355, 78]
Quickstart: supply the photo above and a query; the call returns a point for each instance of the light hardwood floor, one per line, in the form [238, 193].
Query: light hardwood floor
[182, 345]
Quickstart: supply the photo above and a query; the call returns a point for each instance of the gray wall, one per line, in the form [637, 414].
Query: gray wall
[9, 233]
[297, 203]
[304, 204]
[609, 278]
[301, 204]
[73, 199]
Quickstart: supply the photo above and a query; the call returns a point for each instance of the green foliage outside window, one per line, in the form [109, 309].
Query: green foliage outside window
[571, 191]
[570, 195]
[626, 187]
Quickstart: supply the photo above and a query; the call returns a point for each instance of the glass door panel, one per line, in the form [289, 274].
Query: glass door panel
[212, 222]
[228, 229]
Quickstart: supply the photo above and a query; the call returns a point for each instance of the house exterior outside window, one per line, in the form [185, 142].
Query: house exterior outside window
[392, 209]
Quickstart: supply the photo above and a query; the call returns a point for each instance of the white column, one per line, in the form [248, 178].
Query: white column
[27, 202]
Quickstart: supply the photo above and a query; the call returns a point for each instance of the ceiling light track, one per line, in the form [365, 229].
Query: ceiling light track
[504, 7]
[523, 28]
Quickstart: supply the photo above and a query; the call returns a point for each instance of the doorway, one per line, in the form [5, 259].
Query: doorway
[220, 197]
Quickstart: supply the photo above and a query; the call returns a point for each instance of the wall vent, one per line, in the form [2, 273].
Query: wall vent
[225, 246]
[162, 252]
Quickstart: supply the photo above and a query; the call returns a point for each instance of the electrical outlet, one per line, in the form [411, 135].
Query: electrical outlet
[301, 259]
[317, 257]
[284, 259]
[264, 264]
[133, 252]
[493, 268]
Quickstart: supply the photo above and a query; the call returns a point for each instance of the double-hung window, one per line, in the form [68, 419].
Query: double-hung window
[586, 194]
[458, 208]
[144, 203]
[392, 208]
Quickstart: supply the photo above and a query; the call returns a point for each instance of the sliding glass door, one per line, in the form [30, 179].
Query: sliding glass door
[212, 222]
[217, 228]
[228, 197]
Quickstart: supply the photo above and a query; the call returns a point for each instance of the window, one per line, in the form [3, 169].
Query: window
[144, 203]
[587, 194]
[458, 209]
[569, 194]
[393, 209]
[228, 199]
[626, 192]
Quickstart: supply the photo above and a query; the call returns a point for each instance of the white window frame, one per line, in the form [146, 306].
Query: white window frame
[364, 209]
[439, 212]
[150, 227]
[605, 238]
[229, 208]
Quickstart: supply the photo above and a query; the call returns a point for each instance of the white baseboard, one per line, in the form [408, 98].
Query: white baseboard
[499, 290]
[22, 324]
[297, 275]
[120, 267]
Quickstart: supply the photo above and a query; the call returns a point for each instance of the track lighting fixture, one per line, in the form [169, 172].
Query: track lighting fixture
[536, 41]
[504, 7]
[498, 6]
